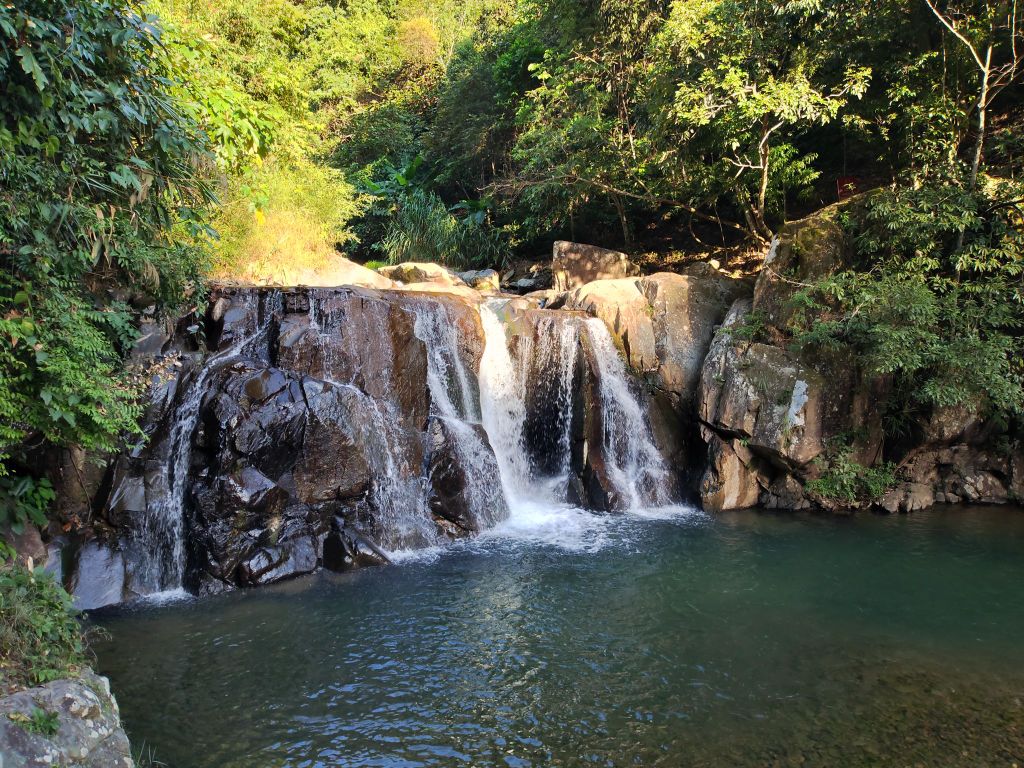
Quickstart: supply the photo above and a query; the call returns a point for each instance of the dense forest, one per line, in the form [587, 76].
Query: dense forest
[148, 148]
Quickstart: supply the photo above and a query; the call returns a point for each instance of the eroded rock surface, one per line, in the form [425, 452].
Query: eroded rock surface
[85, 723]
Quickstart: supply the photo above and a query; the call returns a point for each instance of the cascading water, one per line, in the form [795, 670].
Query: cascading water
[536, 375]
[540, 369]
[635, 465]
[155, 555]
[398, 491]
[454, 401]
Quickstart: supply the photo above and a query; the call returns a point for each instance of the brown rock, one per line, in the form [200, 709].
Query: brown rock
[575, 264]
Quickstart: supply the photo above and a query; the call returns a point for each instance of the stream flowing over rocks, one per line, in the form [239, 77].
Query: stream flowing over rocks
[290, 429]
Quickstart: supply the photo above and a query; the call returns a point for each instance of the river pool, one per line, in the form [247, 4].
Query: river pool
[564, 638]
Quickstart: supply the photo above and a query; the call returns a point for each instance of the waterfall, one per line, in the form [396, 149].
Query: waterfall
[398, 491]
[635, 466]
[454, 401]
[526, 395]
[540, 369]
[156, 552]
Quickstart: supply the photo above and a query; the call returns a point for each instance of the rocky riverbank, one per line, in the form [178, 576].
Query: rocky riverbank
[64, 723]
[291, 429]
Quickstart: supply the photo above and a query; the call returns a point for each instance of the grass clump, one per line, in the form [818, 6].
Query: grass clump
[40, 721]
[40, 637]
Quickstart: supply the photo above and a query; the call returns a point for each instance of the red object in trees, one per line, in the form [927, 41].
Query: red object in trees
[847, 186]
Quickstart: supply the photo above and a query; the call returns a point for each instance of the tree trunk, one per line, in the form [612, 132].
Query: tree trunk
[979, 142]
[762, 193]
[620, 208]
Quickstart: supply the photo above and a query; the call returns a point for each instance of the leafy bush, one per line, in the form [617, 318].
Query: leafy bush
[40, 638]
[100, 208]
[844, 480]
[423, 229]
[936, 297]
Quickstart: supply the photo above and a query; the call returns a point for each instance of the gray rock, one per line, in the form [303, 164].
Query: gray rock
[99, 577]
[88, 733]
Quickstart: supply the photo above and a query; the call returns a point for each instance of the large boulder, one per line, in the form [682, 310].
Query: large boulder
[802, 252]
[622, 306]
[99, 575]
[684, 311]
[761, 394]
[87, 726]
[575, 264]
[664, 322]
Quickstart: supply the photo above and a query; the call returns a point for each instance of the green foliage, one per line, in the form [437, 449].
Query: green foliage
[844, 480]
[279, 223]
[24, 500]
[753, 327]
[937, 299]
[423, 229]
[40, 638]
[100, 208]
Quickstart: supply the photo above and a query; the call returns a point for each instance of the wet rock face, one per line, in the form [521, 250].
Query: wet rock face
[88, 729]
[294, 427]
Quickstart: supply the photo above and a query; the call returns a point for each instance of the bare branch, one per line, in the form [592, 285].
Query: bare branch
[959, 35]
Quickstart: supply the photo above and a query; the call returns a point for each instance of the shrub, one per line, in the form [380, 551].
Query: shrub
[846, 481]
[936, 296]
[281, 221]
[40, 638]
[423, 229]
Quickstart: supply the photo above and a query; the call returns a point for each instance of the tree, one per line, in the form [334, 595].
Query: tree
[100, 208]
[994, 39]
[761, 84]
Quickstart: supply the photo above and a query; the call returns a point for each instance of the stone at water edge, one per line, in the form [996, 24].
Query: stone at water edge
[728, 482]
[89, 732]
[483, 280]
[575, 264]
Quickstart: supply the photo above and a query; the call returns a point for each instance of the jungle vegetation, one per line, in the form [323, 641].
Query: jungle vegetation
[146, 147]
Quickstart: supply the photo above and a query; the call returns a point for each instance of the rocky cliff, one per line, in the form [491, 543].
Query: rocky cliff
[292, 429]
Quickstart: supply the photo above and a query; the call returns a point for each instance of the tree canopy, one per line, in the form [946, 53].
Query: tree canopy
[145, 146]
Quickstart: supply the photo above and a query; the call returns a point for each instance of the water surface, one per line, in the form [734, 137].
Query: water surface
[564, 638]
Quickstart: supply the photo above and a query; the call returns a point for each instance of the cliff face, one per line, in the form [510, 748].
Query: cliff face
[778, 416]
[326, 427]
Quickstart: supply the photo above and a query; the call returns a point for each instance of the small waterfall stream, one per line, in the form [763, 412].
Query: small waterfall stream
[399, 491]
[455, 402]
[156, 552]
[635, 465]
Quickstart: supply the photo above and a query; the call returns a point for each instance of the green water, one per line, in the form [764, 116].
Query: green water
[743, 640]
